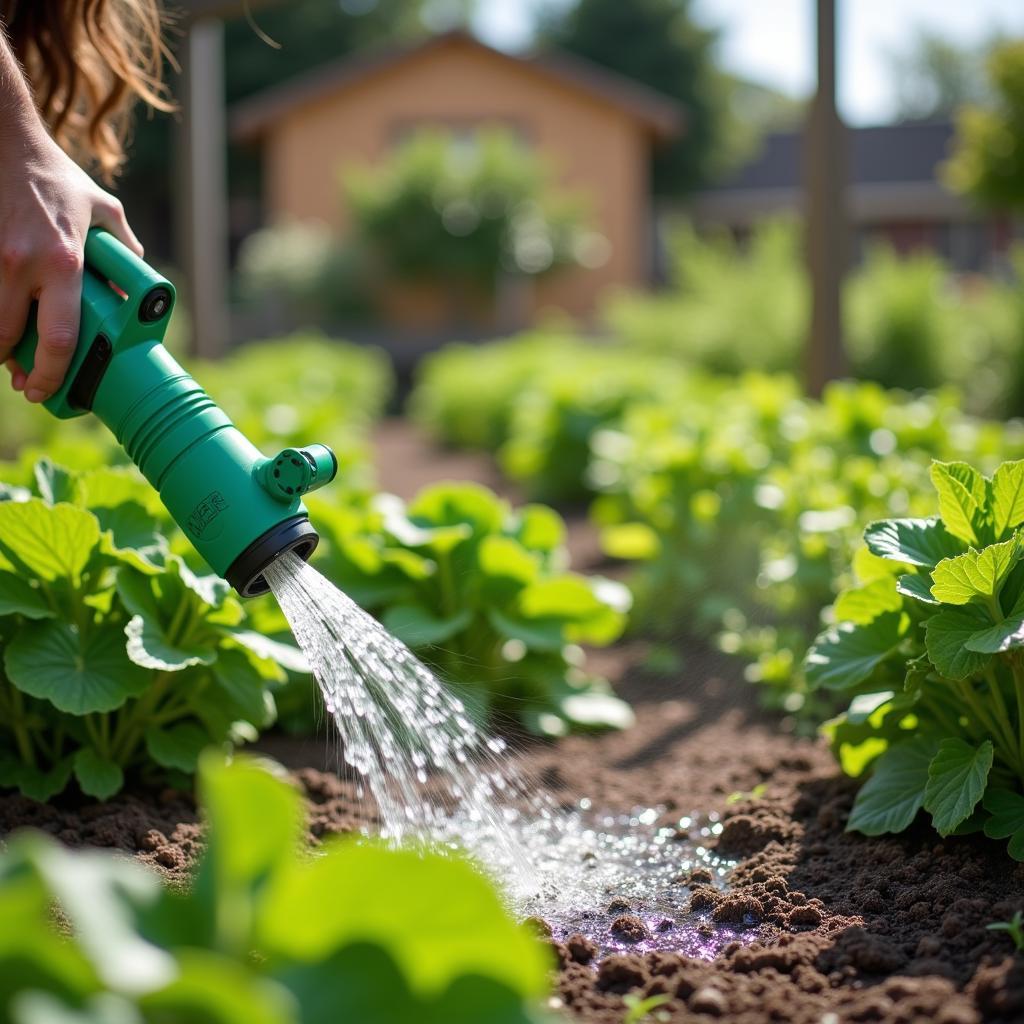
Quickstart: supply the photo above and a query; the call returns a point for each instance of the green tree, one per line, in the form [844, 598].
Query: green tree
[657, 42]
[934, 76]
[988, 158]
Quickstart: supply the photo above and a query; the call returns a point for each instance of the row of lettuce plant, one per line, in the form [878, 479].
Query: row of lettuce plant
[740, 500]
[266, 934]
[121, 657]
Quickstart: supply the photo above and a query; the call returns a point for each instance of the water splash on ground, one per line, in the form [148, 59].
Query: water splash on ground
[435, 777]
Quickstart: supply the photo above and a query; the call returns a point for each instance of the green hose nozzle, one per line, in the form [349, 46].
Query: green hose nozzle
[239, 509]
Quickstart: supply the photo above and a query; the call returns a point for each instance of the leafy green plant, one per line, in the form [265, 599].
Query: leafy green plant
[928, 645]
[481, 592]
[1014, 928]
[117, 658]
[731, 307]
[266, 935]
[465, 394]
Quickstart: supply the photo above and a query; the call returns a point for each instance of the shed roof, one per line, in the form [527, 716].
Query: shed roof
[663, 116]
[910, 151]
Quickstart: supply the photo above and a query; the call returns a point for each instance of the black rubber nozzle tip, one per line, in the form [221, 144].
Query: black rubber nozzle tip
[246, 572]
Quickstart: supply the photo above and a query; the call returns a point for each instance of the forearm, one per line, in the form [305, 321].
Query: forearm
[19, 121]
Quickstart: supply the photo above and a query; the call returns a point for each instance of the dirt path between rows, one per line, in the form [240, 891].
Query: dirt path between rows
[849, 928]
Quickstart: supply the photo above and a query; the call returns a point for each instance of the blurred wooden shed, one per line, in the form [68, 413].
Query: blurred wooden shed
[596, 129]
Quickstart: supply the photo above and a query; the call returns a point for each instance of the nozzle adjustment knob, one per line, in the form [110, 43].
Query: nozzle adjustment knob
[297, 471]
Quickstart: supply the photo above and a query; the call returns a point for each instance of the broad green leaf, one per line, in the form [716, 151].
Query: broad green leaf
[97, 776]
[42, 785]
[19, 597]
[50, 542]
[846, 654]
[957, 777]
[538, 634]
[946, 636]
[133, 536]
[630, 541]
[210, 589]
[919, 588]
[149, 647]
[962, 500]
[100, 896]
[920, 542]
[33, 1006]
[1005, 636]
[54, 483]
[262, 646]
[447, 504]
[361, 982]
[890, 799]
[255, 824]
[505, 557]
[217, 989]
[53, 661]
[111, 486]
[974, 574]
[596, 710]
[569, 596]
[469, 930]
[1007, 497]
[862, 604]
[1007, 821]
[864, 705]
[416, 626]
[243, 688]
[540, 528]
[177, 746]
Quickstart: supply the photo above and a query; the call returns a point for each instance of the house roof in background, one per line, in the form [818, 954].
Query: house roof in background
[663, 116]
[896, 153]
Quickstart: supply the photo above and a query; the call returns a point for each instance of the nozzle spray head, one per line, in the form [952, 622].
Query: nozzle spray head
[297, 471]
[239, 509]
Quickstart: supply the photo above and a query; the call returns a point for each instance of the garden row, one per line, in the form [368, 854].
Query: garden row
[744, 504]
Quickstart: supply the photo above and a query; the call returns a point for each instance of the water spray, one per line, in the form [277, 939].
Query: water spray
[240, 509]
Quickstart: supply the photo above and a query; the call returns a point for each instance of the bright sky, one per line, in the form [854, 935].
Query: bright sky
[771, 41]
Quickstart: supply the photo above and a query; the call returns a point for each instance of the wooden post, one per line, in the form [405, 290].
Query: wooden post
[826, 243]
[202, 217]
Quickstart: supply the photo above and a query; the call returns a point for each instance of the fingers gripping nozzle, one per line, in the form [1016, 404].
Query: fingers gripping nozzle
[297, 471]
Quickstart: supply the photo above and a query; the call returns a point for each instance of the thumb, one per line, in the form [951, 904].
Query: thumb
[109, 214]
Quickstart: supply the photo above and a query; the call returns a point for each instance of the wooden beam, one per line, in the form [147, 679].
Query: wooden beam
[827, 238]
[201, 214]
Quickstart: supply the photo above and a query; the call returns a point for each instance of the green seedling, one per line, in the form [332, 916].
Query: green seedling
[1014, 928]
[639, 1010]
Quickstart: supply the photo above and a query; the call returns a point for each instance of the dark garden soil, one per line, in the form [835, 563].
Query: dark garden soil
[849, 928]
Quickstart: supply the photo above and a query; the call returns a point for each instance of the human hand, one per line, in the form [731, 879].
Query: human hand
[47, 205]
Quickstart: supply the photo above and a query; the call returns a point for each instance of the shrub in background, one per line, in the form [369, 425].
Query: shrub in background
[466, 394]
[481, 592]
[730, 308]
[910, 323]
[266, 935]
[117, 659]
[928, 648]
[301, 271]
[462, 212]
